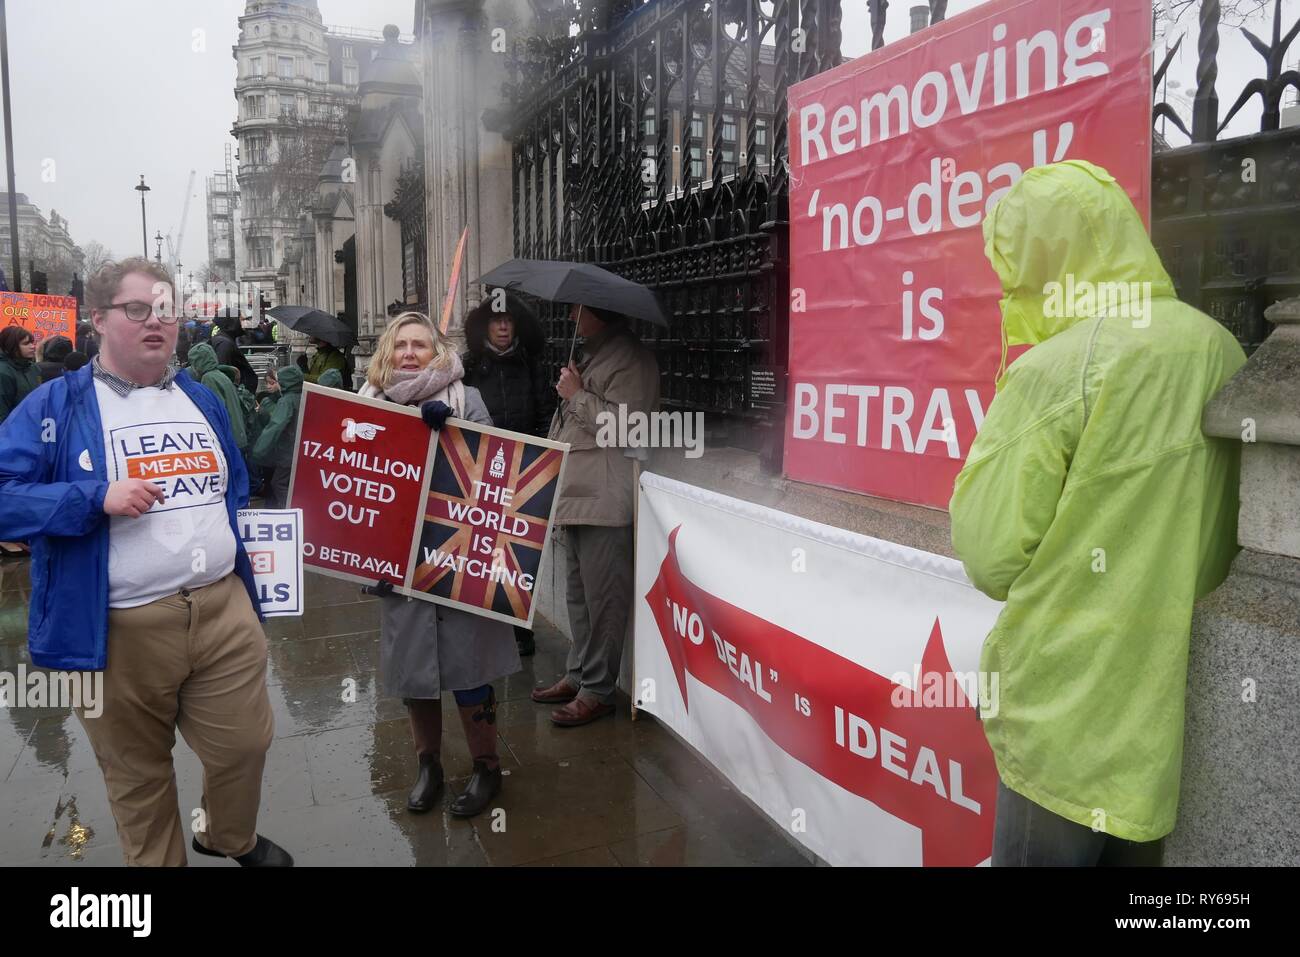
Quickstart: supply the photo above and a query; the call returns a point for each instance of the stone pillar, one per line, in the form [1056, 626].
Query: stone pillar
[325, 265]
[370, 253]
[466, 167]
[1241, 752]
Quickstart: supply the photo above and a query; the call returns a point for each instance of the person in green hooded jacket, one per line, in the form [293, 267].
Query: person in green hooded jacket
[275, 445]
[247, 403]
[327, 357]
[331, 379]
[204, 366]
[1095, 507]
[252, 427]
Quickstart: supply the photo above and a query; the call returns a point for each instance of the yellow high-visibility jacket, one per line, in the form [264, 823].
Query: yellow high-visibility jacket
[1092, 503]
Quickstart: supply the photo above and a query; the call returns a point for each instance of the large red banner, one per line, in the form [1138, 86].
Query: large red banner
[895, 160]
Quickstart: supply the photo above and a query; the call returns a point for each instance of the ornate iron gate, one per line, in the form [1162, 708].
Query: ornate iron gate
[650, 136]
[652, 142]
[407, 208]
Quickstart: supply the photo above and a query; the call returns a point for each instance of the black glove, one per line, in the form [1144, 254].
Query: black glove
[383, 588]
[435, 414]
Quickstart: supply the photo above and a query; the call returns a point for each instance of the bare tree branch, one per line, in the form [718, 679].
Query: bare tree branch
[97, 255]
[1234, 13]
[303, 143]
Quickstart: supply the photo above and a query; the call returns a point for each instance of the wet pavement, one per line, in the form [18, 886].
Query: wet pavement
[614, 793]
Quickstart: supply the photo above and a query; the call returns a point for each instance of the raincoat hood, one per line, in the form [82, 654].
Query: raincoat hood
[330, 378]
[1068, 224]
[230, 372]
[290, 378]
[203, 359]
[528, 329]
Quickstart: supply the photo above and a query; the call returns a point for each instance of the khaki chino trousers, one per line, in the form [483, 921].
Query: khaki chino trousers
[600, 570]
[195, 661]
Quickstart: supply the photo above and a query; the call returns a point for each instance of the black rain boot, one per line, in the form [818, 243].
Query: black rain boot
[428, 785]
[426, 729]
[481, 734]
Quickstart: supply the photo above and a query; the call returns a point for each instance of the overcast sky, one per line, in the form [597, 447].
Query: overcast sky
[110, 89]
[104, 90]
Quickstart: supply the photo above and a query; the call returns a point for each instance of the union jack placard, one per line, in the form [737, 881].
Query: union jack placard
[486, 520]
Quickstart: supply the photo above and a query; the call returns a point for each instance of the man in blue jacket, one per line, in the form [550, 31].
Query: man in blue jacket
[126, 479]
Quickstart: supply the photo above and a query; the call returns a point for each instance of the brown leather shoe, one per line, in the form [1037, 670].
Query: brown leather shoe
[559, 693]
[580, 711]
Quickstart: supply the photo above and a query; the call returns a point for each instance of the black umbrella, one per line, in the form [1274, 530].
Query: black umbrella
[314, 323]
[577, 282]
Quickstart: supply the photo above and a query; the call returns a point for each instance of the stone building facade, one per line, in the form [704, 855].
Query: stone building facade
[44, 245]
[295, 79]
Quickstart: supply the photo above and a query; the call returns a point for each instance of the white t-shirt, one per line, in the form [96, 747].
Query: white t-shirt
[184, 542]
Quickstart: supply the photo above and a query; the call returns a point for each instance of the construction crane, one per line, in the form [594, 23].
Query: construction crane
[173, 249]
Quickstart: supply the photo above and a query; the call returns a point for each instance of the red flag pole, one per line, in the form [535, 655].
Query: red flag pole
[456, 262]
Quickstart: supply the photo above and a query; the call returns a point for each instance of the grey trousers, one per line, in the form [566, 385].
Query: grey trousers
[599, 577]
[1026, 834]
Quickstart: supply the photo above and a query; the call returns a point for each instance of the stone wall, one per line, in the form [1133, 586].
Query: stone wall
[1241, 751]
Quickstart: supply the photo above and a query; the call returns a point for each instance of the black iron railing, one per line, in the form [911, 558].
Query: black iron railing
[1225, 213]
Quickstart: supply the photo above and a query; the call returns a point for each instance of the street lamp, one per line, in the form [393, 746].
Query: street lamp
[144, 230]
[158, 255]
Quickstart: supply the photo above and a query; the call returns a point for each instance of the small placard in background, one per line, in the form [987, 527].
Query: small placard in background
[273, 539]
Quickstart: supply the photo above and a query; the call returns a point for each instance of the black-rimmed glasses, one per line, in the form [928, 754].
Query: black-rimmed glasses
[138, 311]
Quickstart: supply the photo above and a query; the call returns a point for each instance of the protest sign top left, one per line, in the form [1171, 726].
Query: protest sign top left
[42, 316]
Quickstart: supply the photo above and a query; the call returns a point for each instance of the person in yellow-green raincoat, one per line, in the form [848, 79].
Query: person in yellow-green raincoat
[1094, 506]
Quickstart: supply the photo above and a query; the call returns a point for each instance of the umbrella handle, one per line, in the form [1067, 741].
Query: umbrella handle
[573, 344]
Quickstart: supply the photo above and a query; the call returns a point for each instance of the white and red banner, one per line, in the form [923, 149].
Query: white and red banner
[895, 159]
[830, 676]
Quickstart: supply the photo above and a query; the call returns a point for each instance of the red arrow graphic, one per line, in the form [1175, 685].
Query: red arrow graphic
[925, 762]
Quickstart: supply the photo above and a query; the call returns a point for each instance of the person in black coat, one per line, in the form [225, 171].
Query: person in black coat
[87, 344]
[51, 355]
[225, 333]
[504, 362]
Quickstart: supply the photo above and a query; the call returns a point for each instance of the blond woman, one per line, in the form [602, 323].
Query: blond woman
[426, 649]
